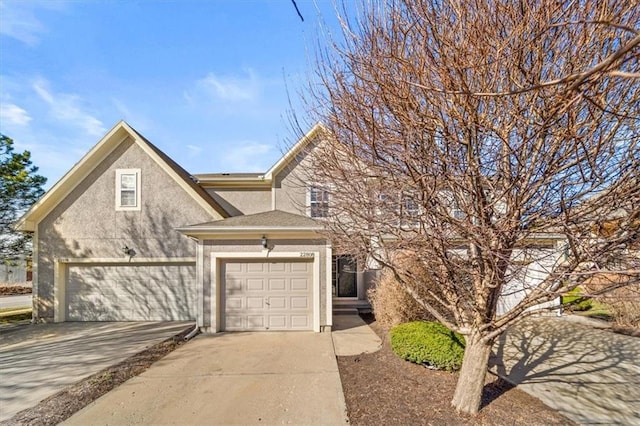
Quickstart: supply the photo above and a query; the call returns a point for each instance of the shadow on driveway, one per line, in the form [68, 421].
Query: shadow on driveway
[589, 375]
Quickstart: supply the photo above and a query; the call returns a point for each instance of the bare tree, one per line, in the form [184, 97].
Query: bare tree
[484, 139]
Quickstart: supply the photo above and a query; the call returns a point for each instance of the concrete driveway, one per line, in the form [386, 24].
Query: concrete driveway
[590, 375]
[39, 360]
[231, 378]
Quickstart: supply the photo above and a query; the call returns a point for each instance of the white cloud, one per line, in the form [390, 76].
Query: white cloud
[13, 114]
[19, 22]
[18, 19]
[229, 88]
[193, 150]
[246, 157]
[65, 107]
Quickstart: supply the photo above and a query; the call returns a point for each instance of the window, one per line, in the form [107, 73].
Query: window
[409, 208]
[409, 211]
[128, 189]
[318, 202]
[402, 209]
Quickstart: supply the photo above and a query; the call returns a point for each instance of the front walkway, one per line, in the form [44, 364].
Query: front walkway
[590, 375]
[352, 336]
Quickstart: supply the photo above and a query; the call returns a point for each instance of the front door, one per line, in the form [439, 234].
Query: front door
[344, 273]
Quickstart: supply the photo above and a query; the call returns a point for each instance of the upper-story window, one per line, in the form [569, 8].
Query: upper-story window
[318, 202]
[128, 189]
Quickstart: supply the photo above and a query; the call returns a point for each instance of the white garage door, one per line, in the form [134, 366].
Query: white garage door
[130, 293]
[267, 295]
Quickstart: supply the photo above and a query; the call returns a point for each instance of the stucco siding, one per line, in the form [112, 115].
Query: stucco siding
[85, 224]
[242, 201]
[254, 246]
[291, 183]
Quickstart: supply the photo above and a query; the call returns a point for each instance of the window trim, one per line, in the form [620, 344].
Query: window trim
[119, 189]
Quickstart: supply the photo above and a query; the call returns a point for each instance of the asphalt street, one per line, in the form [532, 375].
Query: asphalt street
[19, 301]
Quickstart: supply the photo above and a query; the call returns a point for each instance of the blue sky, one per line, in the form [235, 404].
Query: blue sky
[205, 81]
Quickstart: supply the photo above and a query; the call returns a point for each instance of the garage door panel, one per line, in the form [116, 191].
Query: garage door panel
[234, 322]
[300, 303]
[255, 267]
[234, 285]
[300, 284]
[255, 321]
[278, 322]
[300, 267]
[300, 322]
[277, 267]
[277, 284]
[278, 303]
[234, 303]
[130, 292]
[275, 291]
[255, 303]
[255, 284]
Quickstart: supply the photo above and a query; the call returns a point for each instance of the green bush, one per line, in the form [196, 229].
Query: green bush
[431, 343]
[574, 295]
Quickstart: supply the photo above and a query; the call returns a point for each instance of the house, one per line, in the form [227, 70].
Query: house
[129, 235]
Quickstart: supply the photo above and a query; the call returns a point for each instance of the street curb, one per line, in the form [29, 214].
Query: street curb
[15, 312]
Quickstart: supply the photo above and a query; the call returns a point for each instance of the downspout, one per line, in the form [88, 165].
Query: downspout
[192, 333]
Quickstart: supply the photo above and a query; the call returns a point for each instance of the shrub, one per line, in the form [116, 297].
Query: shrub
[623, 303]
[574, 295]
[427, 342]
[391, 304]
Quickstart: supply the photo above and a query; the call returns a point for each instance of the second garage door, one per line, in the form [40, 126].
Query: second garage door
[139, 292]
[267, 295]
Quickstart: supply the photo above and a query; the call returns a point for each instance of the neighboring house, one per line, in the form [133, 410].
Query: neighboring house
[15, 271]
[128, 235]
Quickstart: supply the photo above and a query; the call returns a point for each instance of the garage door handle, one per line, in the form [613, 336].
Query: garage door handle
[266, 302]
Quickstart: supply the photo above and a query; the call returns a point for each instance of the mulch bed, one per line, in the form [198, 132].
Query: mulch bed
[62, 405]
[382, 389]
[11, 290]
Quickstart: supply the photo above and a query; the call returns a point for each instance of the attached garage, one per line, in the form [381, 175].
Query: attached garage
[127, 292]
[267, 294]
[263, 272]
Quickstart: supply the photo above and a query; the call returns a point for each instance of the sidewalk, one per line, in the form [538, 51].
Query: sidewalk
[590, 375]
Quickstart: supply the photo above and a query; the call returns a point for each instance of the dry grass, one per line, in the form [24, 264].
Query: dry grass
[623, 303]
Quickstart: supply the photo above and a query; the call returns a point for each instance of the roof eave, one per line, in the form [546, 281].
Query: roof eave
[68, 182]
[295, 149]
[229, 233]
[240, 229]
[234, 183]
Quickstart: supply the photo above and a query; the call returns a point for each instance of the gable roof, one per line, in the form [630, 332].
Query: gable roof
[118, 134]
[260, 180]
[316, 130]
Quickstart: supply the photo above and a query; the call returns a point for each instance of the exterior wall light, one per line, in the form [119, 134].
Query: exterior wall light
[129, 251]
[263, 240]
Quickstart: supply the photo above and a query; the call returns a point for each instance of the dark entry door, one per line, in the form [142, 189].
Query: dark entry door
[344, 272]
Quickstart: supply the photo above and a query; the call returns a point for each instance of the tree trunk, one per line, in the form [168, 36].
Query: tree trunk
[468, 394]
